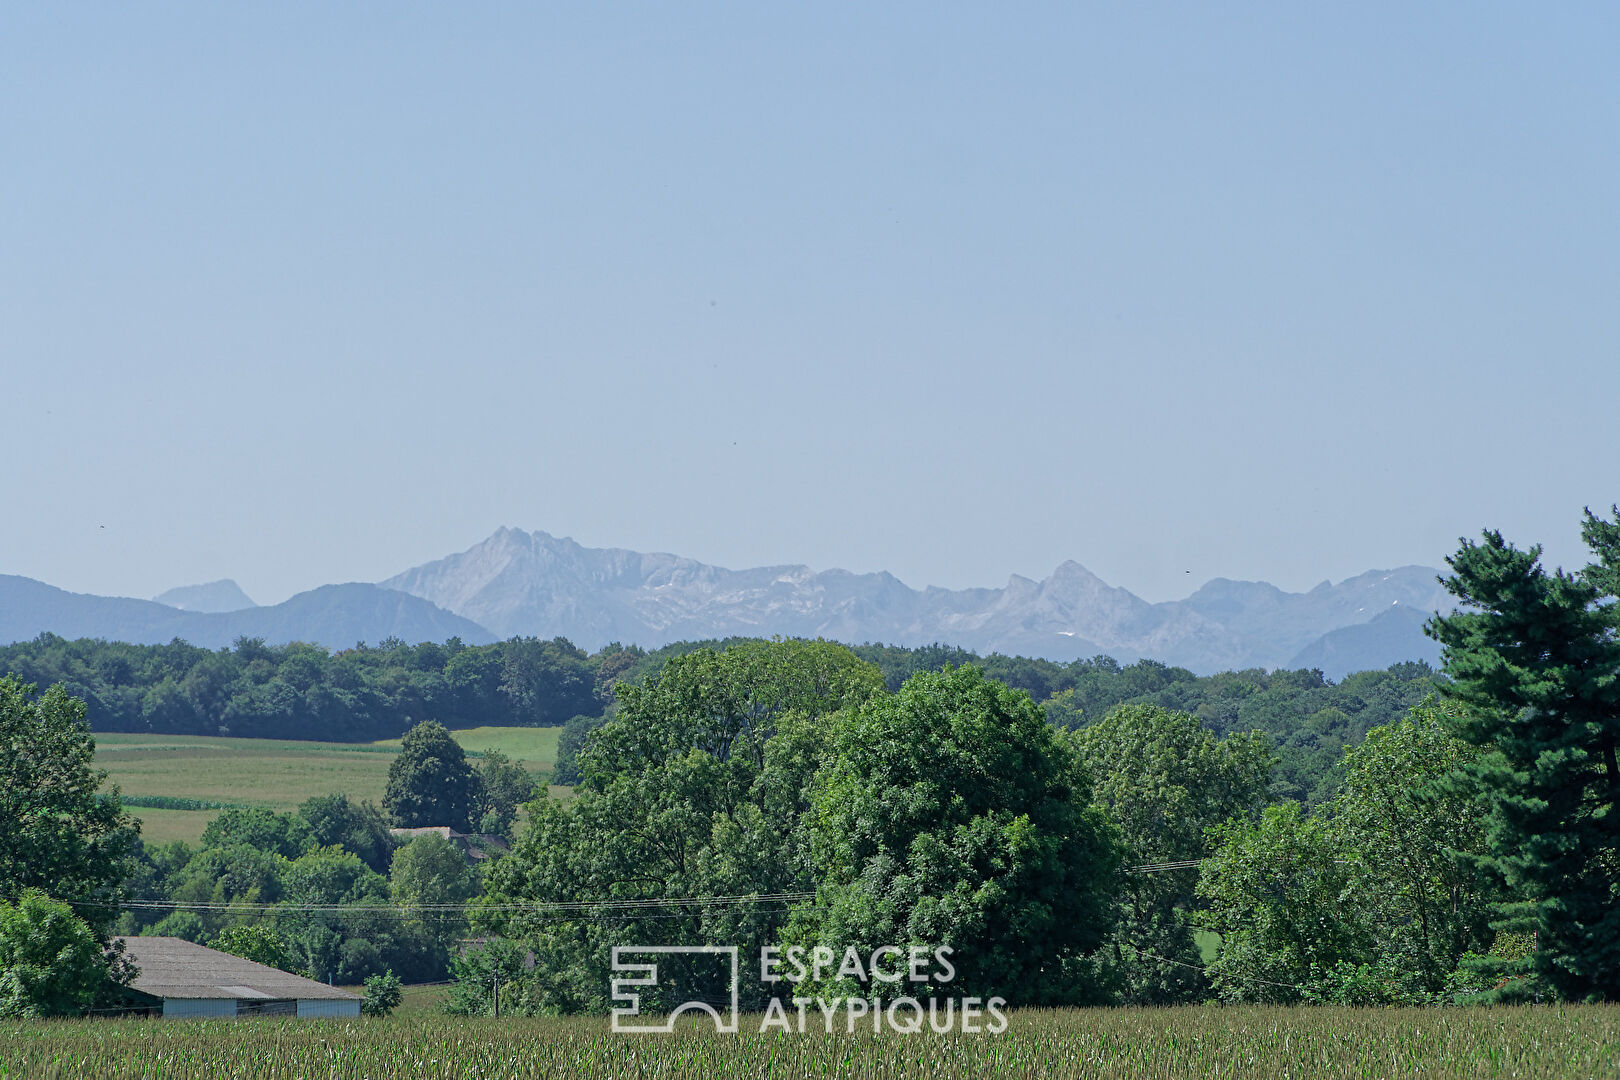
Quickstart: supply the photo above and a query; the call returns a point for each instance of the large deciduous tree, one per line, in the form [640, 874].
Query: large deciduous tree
[1534, 660]
[1166, 779]
[504, 786]
[257, 942]
[1279, 893]
[357, 827]
[430, 782]
[336, 923]
[694, 790]
[428, 877]
[1411, 823]
[57, 834]
[952, 814]
[51, 962]
[263, 830]
[1370, 899]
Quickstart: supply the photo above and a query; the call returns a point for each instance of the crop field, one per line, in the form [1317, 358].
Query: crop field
[1142, 1044]
[534, 748]
[272, 773]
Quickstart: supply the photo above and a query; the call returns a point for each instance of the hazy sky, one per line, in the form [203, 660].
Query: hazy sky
[315, 293]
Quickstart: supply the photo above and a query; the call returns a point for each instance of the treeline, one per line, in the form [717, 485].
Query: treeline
[301, 691]
[1309, 719]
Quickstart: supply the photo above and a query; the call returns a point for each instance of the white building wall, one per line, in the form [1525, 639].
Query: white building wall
[192, 1008]
[327, 1007]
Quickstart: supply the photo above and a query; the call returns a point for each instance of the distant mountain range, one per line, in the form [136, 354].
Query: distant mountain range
[533, 583]
[336, 616]
[536, 584]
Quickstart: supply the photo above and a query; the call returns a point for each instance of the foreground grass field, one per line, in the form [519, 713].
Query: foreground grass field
[1151, 1044]
[273, 773]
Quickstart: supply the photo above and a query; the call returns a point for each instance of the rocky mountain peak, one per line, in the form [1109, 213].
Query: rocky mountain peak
[534, 583]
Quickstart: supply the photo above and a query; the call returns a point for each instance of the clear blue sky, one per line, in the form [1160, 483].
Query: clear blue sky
[309, 293]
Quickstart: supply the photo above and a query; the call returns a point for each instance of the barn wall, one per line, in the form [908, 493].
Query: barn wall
[191, 1008]
[319, 1007]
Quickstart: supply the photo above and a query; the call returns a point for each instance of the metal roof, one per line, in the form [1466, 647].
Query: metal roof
[172, 967]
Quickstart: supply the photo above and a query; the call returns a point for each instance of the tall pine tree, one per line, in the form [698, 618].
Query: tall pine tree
[1535, 659]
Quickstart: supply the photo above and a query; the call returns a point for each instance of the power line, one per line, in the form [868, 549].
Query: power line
[579, 907]
[1154, 868]
[623, 907]
[1205, 970]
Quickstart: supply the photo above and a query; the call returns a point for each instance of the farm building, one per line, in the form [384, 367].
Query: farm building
[192, 981]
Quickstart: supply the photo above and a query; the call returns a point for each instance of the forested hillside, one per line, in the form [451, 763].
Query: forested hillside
[302, 691]
[1309, 719]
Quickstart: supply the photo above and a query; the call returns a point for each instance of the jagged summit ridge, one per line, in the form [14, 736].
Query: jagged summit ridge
[533, 583]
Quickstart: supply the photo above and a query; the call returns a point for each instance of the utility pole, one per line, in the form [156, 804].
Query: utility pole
[497, 997]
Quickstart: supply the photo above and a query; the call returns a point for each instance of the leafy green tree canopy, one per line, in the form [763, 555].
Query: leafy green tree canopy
[1279, 893]
[357, 827]
[1165, 779]
[383, 994]
[428, 872]
[257, 942]
[347, 946]
[494, 966]
[1364, 902]
[505, 786]
[693, 789]
[725, 705]
[265, 830]
[1411, 822]
[57, 834]
[430, 782]
[952, 814]
[52, 963]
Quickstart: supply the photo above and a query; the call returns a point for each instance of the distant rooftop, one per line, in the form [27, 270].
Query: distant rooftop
[175, 968]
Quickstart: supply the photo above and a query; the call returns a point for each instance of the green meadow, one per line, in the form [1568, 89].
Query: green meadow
[275, 774]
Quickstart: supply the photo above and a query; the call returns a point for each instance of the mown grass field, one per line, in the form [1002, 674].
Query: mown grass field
[274, 773]
[1142, 1044]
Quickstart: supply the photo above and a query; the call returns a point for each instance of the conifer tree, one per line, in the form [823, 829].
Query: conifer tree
[1535, 661]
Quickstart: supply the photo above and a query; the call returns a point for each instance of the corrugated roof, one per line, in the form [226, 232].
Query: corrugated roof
[175, 968]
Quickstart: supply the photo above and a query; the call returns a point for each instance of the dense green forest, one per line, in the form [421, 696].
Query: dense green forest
[302, 691]
[1309, 719]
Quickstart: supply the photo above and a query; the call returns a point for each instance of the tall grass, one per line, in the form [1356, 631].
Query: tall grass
[1150, 1044]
